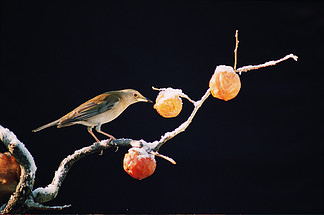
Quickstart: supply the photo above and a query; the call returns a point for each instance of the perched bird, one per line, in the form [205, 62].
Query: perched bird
[9, 176]
[99, 110]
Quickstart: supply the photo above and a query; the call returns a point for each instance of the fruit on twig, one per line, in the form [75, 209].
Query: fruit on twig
[168, 103]
[9, 175]
[225, 84]
[138, 163]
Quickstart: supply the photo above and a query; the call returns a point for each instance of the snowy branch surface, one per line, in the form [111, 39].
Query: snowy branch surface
[48, 193]
[24, 198]
[269, 63]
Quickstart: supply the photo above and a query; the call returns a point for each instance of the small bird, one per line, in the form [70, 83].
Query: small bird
[99, 110]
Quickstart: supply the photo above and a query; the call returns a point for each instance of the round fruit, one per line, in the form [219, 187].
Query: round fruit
[225, 84]
[168, 103]
[139, 164]
[9, 175]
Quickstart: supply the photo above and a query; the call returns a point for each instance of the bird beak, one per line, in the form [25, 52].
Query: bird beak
[148, 100]
[142, 98]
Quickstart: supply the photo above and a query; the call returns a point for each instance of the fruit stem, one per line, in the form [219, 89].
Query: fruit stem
[181, 94]
[235, 50]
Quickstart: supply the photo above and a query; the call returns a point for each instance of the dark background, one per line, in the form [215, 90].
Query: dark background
[261, 152]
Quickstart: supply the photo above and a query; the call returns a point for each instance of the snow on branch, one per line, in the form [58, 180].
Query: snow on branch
[48, 193]
[24, 198]
[169, 135]
[269, 63]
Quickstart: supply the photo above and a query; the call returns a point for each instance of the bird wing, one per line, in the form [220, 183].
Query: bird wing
[93, 107]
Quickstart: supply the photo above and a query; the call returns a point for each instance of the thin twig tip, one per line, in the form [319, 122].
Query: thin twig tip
[295, 57]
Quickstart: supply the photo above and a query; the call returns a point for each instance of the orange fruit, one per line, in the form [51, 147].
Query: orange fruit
[225, 84]
[138, 165]
[9, 175]
[168, 105]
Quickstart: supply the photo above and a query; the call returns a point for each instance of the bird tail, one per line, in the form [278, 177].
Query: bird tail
[56, 122]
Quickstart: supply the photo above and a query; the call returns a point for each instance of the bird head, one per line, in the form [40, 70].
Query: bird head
[133, 96]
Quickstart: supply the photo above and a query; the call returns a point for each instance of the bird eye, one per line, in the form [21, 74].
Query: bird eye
[135, 95]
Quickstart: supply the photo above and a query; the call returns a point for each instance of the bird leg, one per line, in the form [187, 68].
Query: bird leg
[94, 136]
[98, 129]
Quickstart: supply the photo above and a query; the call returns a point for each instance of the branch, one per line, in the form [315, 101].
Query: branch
[155, 146]
[28, 171]
[41, 195]
[169, 135]
[235, 50]
[269, 63]
[24, 198]
[31, 204]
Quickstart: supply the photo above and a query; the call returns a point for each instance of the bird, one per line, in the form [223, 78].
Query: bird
[99, 110]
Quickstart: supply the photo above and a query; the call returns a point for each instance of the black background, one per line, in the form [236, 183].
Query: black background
[261, 152]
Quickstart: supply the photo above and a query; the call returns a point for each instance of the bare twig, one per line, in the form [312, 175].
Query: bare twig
[164, 157]
[235, 50]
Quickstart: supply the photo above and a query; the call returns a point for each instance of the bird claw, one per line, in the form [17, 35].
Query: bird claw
[110, 139]
[117, 148]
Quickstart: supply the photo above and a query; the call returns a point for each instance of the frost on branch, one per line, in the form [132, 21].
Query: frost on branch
[269, 63]
[25, 198]
[48, 193]
[223, 85]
